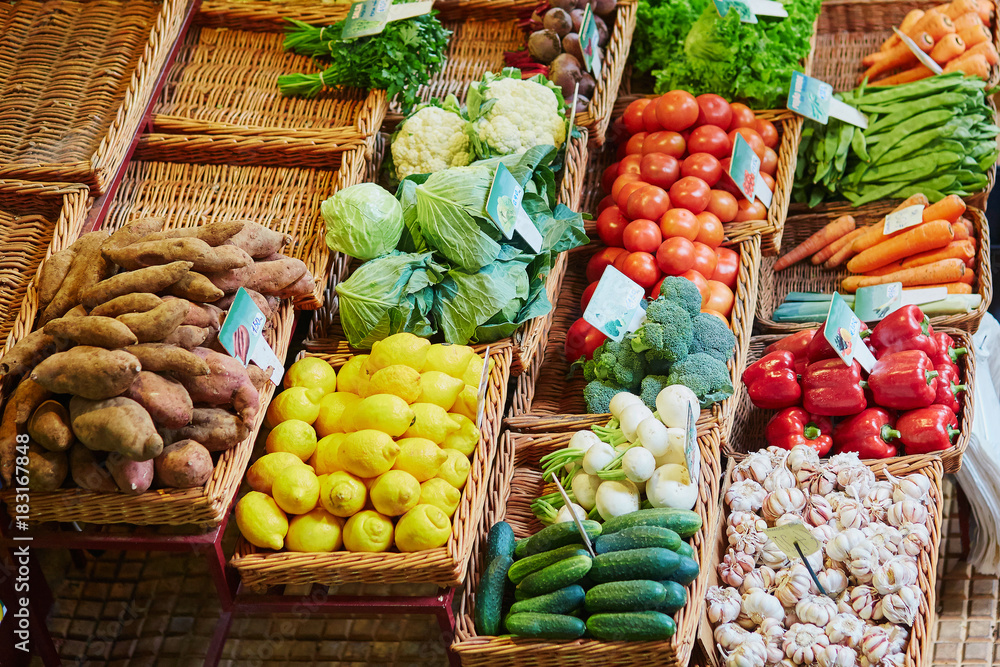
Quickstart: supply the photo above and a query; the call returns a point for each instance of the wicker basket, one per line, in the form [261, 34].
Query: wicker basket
[920, 647]
[518, 483]
[79, 75]
[749, 421]
[804, 276]
[444, 566]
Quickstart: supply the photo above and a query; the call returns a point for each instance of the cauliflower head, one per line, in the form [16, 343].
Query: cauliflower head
[431, 139]
[516, 115]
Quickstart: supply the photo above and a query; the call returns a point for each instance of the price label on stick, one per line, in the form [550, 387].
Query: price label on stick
[615, 308]
[691, 456]
[744, 168]
[746, 14]
[791, 533]
[922, 56]
[814, 99]
[589, 42]
[903, 219]
[242, 337]
[481, 392]
[369, 17]
[843, 332]
[503, 206]
[874, 303]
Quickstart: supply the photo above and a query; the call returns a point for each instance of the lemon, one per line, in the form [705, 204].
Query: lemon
[333, 408]
[261, 521]
[311, 373]
[294, 403]
[402, 348]
[465, 439]
[342, 494]
[327, 457]
[385, 412]
[423, 527]
[398, 380]
[367, 453]
[395, 493]
[347, 375]
[261, 474]
[450, 359]
[315, 531]
[296, 490]
[467, 403]
[474, 371]
[432, 422]
[293, 436]
[420, 457]
[455, 470]
[368, 531]
[441, 494]
[439, 388]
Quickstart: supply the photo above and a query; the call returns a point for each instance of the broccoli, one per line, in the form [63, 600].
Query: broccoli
[683, 292]
[666, 334]
[598, 395]
[617, 363]
[705, 375]
[652, 385]
[712, 337]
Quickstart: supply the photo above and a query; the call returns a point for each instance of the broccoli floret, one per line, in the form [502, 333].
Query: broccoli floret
[705, 375]
[598, 395]
[683, 292]
[652, 385]
[712, 337]
[616, 363]
[666, 334]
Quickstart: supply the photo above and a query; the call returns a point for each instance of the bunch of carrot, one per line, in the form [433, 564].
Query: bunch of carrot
[939, 250]
[955, 35]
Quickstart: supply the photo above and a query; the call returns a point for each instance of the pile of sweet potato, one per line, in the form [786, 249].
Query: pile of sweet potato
[123, 383]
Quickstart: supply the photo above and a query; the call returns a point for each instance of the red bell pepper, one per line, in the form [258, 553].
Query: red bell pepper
[903, 380]
[832, 388]
[820, 348]
[868, 434]
[949, 385]
[904, 329]
[946, 350]
[931, 429]
[771, 381]
[797, 343]
[795, 426]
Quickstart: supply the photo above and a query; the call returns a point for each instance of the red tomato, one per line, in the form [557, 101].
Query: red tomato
[714, 110]
[600, 260]
[768, 181]
[727, 268]
[722, 205]
[711, 232]
[634, 145]
[742, 116]
[620, 182]
[769, 163]
[704, 166]
[632, 117]
[767, 131]
[712, 140]
[751, 211]
[620, 261]
[622, 199]
[720, 298]
[704, 259]
[587, 294]
[756, 143]
[677, 110]
[611, 226]
[668, 143]
[608, 176]
[606, 202]
[649, 122]
[642, 236]
[654, 291]
[722, 317]
[679, 222]
[691, 193]
[641, 268]
[629, 164]
[659, 169]
[621, 152]
[582, 340]
[699, 282]
[675, 256]
[647, 203]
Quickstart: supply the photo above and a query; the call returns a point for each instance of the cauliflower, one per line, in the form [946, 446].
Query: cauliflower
[431, 139]
[511, 115]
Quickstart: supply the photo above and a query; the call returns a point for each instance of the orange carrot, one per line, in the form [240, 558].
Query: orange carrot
[831, 250]
[950, 208]
[944, 271]
[962, 250]
[907, 24]
[874, 233]
[850, 284]
[985, 11]
[975, 35]
[907, 76]
[975, 65]
[985, 49]
[968, 277]
[898, 56]
[925, 236]
[824, 237]
[960, 7]
[948, 47]
[955, 288]
[936, 24]
[965, 21]
[888, 268]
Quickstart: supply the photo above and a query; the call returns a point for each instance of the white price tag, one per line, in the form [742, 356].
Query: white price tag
[787, 536]
[903, 219]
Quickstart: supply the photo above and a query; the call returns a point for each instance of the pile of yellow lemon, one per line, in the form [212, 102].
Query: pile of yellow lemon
[369, 457]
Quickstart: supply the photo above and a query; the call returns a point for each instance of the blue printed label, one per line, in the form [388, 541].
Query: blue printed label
[746, 14]
[504, 200]
[744, 167]
[365, 18]
[616, 305]
[810, 97]
[842, 331]
[874, 303]
[589, 38]
[242, 337]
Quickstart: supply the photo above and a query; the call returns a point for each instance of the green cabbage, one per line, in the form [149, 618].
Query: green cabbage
[363, 221]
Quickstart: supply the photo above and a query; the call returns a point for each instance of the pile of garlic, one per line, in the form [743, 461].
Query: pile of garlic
[770, 612]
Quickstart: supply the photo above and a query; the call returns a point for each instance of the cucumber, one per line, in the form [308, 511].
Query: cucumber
[631, 626]
[489, 596]
[521, 548]
[556, 576]
[520, 595]
[686, 572]
[683, 522]
[686, 549]
[561, 601]
[500, 541]
[532, 564]
[676, 597]
[545, 626]
[561, 534]
[652, 563]
[638, 537]
[617, 596]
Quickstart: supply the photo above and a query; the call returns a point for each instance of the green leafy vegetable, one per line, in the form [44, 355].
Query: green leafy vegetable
[448, 205]
[362, 221]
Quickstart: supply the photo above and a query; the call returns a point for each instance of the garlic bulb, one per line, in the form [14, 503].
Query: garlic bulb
[823, 533]
[817, 511]
[780, 478]
[862, 601]
[846, 629]
[758, 605]
[885, 538]
[750, 653]
[773, 631]
[746, 495]
[772, 555]
[899, 636]
[803, 641]
[894, 574]
[822, 482]
[851, 513]
[906, 511]
[737, 520]
[856, 480]
[734, 567]
[756, 466]
[836, 498]
[839, 462]
[915, 538]
[787, 518]
[781, 502]
[840, 546]
[837, 656]
[749, 543]
[833, 580]
[891, 660]
[729, 635]
[792, 584]
[862, 562]
[875, 644]
[762, 577]
[915, 486]
[743, 532]
[902, 606]
[778, 455]
[816, 609]
[722, 604]
[878, 499]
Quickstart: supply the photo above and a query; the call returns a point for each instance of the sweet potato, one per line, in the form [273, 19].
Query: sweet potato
[195, 286]
[138, 302]
[115, 425]
[262, 302]
[26, 399]
[216, 429]
[52, 273]
[259, 241]
[301, 287]
[90, 372]
[161, 358]
[259, 376]
[226, 384]
[26, 353]
[165, 399]
[22, 403]
[187, 337]
[49, 427]
[155, 325]
[133, 232]
[88, 473]
[203, 315]
[93, 330]
[8, 443]
[214, 233]
[132, 477]
[46, 470]
[263, 277]
[151, 279]
[88, 268]
[203, 256]
[183, 465]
